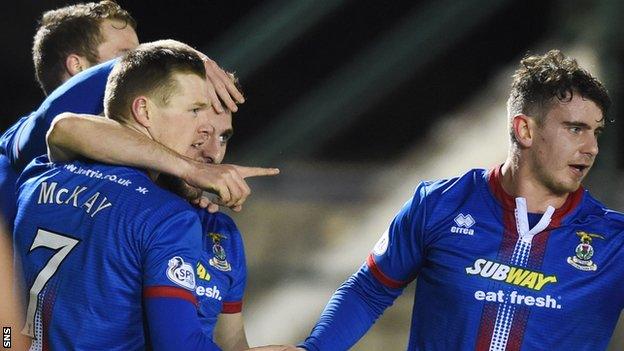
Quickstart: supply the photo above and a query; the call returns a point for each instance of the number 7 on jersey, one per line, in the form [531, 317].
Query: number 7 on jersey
[53, 241]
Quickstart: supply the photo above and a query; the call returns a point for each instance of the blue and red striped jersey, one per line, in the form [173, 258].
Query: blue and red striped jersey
[95, 241]
[221, 271]
[488, 278]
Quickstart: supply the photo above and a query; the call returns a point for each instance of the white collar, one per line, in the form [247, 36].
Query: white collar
[522, 220]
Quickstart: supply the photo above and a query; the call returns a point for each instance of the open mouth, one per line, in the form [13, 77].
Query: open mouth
[579, 168]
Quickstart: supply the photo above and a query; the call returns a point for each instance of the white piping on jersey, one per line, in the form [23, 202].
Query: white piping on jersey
[522, 220]
[519, 257]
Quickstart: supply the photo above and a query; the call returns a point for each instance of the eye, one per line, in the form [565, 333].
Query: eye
[575, 130]
[196, 111]
[224, 138]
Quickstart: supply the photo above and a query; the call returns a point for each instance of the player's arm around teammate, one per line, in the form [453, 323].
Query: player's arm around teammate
[72, 135]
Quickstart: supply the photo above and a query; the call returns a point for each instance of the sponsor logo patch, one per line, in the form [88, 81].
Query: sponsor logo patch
[513, 275]
[212, 293]
[382, 245]
[181, 273]
[463, 224]
[202, 273]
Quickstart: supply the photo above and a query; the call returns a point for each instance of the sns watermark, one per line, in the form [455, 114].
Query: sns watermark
[6, 337]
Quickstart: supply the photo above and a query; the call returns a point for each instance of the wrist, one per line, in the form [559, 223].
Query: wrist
[185, 168]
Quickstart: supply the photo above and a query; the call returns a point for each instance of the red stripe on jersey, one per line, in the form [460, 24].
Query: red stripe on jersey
[490, 311]
[169, 291]
[49, 299]
[518, 326]
[510, 237]
[381, 277]
[232, 307]
[486, 327]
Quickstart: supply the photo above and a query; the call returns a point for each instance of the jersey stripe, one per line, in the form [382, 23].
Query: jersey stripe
[381, 277]
[503, 325]
[232, 307]
[169, 291]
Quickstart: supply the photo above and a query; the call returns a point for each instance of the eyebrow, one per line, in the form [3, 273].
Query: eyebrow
[584, 125]
[228, 133]
[200, 104]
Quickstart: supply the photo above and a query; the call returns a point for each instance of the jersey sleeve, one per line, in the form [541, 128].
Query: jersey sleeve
[233, 301]
[171, 252]
[398, 255]
[173, 325]
[350, 312]
[83, 93]
[359, 301]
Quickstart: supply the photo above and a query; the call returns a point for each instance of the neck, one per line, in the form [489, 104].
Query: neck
[142, 130]
[518, 180]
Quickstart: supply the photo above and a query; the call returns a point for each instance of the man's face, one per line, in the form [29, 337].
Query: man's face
[175, 124]
[566, 144]
[212, 137]
[118, 38]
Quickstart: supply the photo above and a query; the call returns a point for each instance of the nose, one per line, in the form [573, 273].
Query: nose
[211, 149]
[590, 147]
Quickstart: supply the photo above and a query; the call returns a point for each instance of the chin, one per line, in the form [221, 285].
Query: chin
[566, 187]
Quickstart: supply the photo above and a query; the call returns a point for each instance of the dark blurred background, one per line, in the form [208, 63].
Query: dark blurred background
[336, 80]
[356, 101]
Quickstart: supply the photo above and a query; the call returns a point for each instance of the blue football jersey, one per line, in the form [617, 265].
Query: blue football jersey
[488, 278]
[488, 282]
[25, 140]
[95, 241]
[8, 177]
[222, 270]
[83, 93]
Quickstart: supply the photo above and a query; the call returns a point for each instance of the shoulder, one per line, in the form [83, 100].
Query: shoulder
[592, 209]
[35, 168]
[218, 222]
[452, 189]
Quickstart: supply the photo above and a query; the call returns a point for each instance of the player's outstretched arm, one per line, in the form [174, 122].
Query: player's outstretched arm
[230, 332]
[350, 312]
[72, 136]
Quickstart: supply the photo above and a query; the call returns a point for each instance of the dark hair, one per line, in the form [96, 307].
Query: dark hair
[69, 30]
[542, 78]
[148, 70]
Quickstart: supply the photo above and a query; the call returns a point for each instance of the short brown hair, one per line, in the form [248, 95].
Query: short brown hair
[542, 78]
[148, 70]
[69, 30]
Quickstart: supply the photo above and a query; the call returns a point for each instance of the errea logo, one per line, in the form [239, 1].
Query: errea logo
[463, 224]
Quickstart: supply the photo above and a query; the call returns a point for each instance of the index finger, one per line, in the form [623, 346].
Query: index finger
[247, 172]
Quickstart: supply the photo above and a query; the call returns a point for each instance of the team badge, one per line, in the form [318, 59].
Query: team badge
[219, 261]
[584, 252]
[181, 273]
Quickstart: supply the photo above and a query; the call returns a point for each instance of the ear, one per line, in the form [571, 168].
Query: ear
[75, 64]
[523, 128]
[140, 111]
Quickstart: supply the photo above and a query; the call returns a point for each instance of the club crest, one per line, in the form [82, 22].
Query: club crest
[584, 252]
[219, 261]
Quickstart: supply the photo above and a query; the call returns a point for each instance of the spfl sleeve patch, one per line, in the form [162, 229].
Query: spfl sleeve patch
[181, 273]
